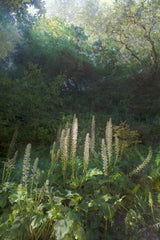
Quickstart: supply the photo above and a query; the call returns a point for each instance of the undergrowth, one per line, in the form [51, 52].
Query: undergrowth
[105, 192]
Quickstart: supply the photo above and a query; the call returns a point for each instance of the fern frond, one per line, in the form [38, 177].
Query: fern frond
[104, 157]
[86, 153]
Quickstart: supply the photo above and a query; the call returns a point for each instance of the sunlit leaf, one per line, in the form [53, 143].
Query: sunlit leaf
[38, 220]
[62, 227]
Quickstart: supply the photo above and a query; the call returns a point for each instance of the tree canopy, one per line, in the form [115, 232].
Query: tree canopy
[87, 56]
[80, 62]
[19, 7]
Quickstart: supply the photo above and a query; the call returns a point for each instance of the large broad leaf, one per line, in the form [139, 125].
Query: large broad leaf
[38, 220]
[62, 227]
[18, 230]
[93, 172]
[3, 228]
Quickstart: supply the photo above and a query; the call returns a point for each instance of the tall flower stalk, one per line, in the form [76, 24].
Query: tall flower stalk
[26, 169]
[86, 153]
[64, 149]
[104, 157]
[109, 134]
[92, 144]
[143, 164]
[8, 167]
[26, 165]
[54, 158]
[12, 144]
[34, 174]
[74, 143]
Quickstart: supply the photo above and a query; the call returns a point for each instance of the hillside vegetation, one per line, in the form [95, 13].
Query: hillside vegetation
[79, 85]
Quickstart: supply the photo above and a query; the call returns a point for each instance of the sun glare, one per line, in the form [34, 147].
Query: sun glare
[32, 10]
[48, 5]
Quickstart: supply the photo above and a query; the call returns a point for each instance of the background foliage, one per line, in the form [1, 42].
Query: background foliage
[93, 58]
[104, 62]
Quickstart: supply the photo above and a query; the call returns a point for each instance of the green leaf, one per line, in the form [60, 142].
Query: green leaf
[16, 226]
[118, 201]
[62, 227]
[94, 172]
[13, 198]
[3, 227]
[52, 214]
[38, 220]
[18, 230]
[135, 190]
[107, 197]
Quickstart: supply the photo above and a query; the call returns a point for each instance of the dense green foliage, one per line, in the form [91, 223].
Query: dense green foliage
[104, 194]
[89, 57]
[50, 68]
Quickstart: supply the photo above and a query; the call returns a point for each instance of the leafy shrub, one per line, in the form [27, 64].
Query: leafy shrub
[81, 197]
